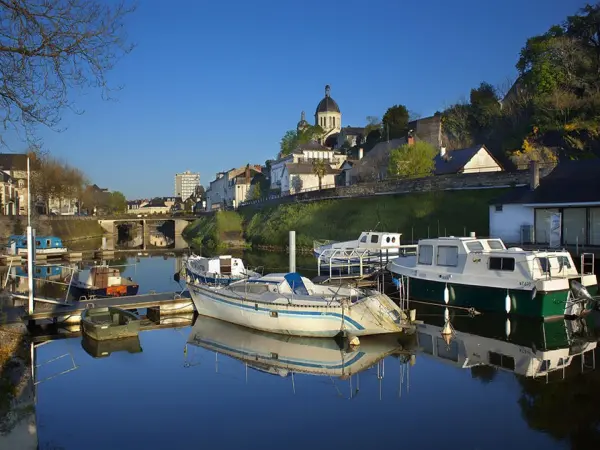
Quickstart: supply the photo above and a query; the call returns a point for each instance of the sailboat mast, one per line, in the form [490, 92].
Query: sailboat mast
[30, 242]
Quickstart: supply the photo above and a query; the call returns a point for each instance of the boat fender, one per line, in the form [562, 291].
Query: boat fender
[507, 302]
[507, 327]
[446, 295]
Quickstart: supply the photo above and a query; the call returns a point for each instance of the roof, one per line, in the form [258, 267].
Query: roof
[353, 131]
[4, 177]
[13, 161]
[156, 203]
[327, 104]
[570, 182]
[306, 168]
[313, 145]
[455, 160]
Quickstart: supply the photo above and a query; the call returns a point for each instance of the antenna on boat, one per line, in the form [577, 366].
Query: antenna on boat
[375, 229]
[30, 243]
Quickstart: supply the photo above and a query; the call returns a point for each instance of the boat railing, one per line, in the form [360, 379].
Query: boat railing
[320, 242]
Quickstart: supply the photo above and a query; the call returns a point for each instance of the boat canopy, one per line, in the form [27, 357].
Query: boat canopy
[291, 282]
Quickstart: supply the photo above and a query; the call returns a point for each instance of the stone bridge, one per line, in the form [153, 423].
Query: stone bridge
[110, 225]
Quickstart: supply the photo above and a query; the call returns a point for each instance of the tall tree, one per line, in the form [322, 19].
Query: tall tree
[48, 48]
[412, 160]
[395, 122]
[293, 138]
[117, 202]
[319, 168]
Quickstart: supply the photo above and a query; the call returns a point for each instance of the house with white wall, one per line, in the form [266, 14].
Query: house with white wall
[570, 193]
[231, 188]
[305, 154]
[466, 160]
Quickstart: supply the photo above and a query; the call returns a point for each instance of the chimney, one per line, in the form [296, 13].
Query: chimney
[443, 152]
[410, 140]
[360, 153]
[534, 175]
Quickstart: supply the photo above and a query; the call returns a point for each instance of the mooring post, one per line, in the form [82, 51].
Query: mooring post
[30, 264]
[292, 244]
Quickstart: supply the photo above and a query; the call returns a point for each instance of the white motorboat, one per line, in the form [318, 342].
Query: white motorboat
[281, 355]
[526, 350]
[218, 270]
[293, 305]
[485, 275]
[370, 247]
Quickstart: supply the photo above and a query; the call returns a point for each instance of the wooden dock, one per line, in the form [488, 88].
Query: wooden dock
[168, 303]
[51, 332]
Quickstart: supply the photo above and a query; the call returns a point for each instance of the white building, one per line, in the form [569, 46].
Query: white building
[186, 184]
[570, 195]
[231, 188]
[305, 154]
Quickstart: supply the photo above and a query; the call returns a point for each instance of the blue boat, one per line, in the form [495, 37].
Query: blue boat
[44, 245]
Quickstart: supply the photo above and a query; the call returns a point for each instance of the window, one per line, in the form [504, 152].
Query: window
[363, 239]
[38, 243]
[495, 244]
[498, 208]
[506, 264]
[447, 255]
[544, 264]
[475, 246]
[426, 254]
[563, 261]
[500, 360]
[374, 239]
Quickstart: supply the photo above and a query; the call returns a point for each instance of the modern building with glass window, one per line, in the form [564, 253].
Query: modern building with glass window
[561, 209]
[186, 184]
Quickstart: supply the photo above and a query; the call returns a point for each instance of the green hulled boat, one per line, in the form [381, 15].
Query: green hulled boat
[483, 274]
[109, 323]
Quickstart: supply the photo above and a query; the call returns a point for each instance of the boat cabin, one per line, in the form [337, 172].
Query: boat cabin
[378, 240]
[100, 277]
[41, 242]
[224, 265]
[469, 255]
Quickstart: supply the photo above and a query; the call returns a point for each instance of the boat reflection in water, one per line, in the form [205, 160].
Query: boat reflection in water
[103, 349]
[285, 355]
[523, 347]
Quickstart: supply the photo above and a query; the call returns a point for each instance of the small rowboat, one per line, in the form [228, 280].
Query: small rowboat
[109, 322]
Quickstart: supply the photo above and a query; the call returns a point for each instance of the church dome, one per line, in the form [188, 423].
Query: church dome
[327, 104]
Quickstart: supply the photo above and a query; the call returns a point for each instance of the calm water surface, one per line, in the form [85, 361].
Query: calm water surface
[179, 393]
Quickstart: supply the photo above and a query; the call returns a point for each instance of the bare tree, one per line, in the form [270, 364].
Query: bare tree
[48, 48]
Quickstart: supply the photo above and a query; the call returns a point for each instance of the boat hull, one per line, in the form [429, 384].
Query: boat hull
[527, 303]
[373, 315]
[110, 291]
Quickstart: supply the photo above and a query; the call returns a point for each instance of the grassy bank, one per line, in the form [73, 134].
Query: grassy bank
[415, 215]
[70, 230]
[223, 229]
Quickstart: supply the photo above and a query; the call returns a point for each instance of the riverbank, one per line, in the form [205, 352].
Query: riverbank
[17, 391]
[66, 229]
[416, 215]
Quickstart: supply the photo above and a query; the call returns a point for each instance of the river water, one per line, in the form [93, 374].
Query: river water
[172, 390]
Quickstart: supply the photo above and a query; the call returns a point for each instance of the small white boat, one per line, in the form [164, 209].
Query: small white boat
[370, 247]
[218, 270]
[485, 275]
[292, 304]
[281, 355]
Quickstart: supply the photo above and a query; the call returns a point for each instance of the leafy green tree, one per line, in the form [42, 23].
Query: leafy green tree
[395, 121]
[117, 203]
[256, 192]
[485, 105]
[293, 138]
[412, 160]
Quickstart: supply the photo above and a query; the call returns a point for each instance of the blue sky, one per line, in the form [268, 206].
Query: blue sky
[214, 85]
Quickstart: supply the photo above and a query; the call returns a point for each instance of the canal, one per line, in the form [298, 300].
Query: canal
[488, 387]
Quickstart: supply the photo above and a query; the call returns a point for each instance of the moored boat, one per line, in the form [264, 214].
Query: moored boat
[218, 270]
[109, 322]
[293, 305]
[103, 349]
[44, 245]
[281, 355]
[102, 281]
[485, 275]
[370, 247]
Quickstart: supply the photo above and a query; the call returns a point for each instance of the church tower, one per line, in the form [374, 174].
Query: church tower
[328, 115]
